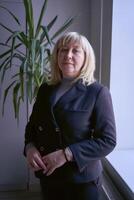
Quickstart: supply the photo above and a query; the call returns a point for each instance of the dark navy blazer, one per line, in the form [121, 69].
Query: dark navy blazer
[85, 119]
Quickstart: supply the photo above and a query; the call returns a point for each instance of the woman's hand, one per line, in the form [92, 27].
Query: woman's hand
[54, 160]
[34, 159]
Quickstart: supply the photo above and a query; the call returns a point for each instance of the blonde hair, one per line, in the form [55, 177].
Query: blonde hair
[88, 69]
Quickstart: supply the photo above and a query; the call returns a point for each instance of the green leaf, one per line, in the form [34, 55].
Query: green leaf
[12, 51]
[29, 84]
[15, 33]
[45, 30]
[18, 108]
[19, 57]
[50, 25]
[20, 35]
[15, 75]
[14, 17]
[37, 80]
[33, 49]
[41, 17]
[4, 71]
[9, 51]
[67, 23]
[15, 95]
[5, 95]
[48, 52]
[23, 38]
[35, 92]
[5, 62]
[21, 74]
[5, 27]
[29, 17]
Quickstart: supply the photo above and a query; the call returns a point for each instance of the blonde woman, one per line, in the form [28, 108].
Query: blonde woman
[72, 124]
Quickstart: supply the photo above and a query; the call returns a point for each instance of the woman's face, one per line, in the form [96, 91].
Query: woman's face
[71, 59]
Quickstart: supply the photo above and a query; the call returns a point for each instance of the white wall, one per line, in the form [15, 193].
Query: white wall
[122, 71]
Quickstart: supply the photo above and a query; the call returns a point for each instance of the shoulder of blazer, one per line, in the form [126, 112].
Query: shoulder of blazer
[45, 87]
[95, 88]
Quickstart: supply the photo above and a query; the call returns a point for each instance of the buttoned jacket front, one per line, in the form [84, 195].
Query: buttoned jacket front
[83, 120]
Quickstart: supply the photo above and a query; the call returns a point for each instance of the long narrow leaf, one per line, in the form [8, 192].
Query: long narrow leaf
[18, 108]
[5, 27]
[23, 37]
[41, 17]
[9, 51]
[15, 95]
[30, 87]
[20, 35]
[12, 51]
[21, 75]
[67, 23]
[35, 92]
[4, 62]
[37, 80]
[15, 33]
[19, 57]
[33, 48]
[4, 72]
[31, 13]
[29, 20]
[45, 30]
[42, 38]
[50, 25]
[5, 95]
[14, 17]
[15, 75]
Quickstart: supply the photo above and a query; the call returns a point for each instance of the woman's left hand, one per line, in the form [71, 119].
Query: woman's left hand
[54, 160]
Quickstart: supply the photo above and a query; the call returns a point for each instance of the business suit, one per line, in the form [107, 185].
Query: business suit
[84, 115]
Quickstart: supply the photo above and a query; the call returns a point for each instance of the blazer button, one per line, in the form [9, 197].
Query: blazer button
[40, 128]
[42, 148]
[57, 129]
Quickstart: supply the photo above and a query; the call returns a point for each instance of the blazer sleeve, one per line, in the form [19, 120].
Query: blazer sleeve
[104, 139]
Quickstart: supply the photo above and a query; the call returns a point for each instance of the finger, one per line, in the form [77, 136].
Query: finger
[35, 166]
[40, 162]
[30, 164]
[50, 171]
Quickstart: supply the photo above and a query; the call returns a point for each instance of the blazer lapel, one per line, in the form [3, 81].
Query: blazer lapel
[52, 95]
[73, 93]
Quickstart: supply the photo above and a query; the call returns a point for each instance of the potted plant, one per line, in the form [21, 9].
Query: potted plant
[33, 61]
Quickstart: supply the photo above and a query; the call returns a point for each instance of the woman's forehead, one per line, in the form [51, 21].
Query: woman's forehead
[76, 44]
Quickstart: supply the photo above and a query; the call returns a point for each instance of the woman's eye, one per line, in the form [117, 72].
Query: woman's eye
[63, 50]
[73, 50]
[76, 50]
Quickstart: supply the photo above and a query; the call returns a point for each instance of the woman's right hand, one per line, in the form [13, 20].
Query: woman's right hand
[34, 159]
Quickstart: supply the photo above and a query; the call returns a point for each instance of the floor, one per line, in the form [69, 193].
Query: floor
[23, 195]
[20, 195]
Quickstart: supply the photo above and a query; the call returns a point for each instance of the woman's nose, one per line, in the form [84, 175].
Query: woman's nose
[69, 54]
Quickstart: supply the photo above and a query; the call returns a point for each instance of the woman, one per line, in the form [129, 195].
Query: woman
[72, 124]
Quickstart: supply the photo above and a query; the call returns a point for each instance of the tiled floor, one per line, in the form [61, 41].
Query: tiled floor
[123, 162]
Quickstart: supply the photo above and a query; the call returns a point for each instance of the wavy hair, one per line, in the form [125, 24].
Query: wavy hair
[88, 69]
